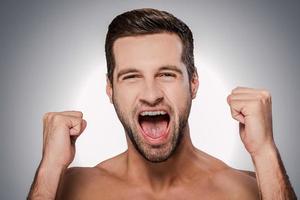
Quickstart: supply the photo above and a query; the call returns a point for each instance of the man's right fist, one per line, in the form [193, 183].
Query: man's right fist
[60, 131]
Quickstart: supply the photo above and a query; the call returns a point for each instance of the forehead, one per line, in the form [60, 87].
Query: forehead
[144, 51]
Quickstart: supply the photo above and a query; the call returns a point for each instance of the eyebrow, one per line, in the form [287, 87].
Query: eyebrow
[171, 67]
[133, 70]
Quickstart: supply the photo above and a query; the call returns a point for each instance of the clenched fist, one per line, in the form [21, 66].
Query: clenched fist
[60, 132]
[252, 108]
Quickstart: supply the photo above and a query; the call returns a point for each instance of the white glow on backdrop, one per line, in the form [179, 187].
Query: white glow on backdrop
[212, 128]
[104, 136]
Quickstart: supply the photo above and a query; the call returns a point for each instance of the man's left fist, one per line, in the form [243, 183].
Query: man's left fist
[253, 109]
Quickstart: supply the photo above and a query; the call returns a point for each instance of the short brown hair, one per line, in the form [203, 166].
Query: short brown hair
[148, 21]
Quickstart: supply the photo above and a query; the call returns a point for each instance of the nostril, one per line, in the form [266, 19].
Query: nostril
[151, 94]
[152, 103]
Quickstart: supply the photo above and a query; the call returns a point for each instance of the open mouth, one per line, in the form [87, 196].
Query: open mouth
[154, 124]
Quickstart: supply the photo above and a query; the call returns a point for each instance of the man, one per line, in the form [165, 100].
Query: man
[151, 82]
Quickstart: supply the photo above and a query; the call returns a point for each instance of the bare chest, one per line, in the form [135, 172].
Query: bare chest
[128, 193]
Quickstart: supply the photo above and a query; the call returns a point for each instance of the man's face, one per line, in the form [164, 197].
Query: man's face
[151, 92]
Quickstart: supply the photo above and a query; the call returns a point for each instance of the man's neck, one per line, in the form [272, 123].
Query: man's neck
[162, 175]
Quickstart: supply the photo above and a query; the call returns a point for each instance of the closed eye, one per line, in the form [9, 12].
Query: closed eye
[168, 74]
[130, 76]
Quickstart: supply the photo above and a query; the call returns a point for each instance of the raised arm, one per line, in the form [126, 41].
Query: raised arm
[252, 108]
[60, 131]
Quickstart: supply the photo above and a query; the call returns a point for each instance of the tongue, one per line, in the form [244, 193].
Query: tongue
[154, 128]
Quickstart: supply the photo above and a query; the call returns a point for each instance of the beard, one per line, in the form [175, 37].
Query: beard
[155, 153]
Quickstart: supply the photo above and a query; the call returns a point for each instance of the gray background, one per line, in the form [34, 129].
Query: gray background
[48, 47]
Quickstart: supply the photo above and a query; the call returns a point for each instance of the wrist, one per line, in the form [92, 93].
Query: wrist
[266, 150]
[52, 164]
[46, 169]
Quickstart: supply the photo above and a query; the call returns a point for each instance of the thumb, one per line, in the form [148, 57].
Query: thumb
[75, 136]
[78, 127]
[237, 115]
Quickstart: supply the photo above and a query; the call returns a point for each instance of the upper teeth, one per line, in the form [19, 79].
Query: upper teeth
[153, 113]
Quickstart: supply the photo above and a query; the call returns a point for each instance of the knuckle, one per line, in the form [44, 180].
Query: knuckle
[259, 105]
[234, 89]
[47, 116]
[266, 96]
[260, 97]
[79, 112]
[265, 93]
[237, 89]
[57, 118]
[73, 113]
[229, 98]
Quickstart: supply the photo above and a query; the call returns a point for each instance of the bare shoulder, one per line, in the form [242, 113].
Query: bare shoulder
[88, 182]
[77, 182]
[237, 184]
[230, 183]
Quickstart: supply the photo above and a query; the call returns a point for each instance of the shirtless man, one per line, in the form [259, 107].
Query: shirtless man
[151, 82]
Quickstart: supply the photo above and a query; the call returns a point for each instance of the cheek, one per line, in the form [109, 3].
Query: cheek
[178, 95]
[125, 97]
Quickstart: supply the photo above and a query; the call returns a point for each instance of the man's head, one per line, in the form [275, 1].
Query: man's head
[151, 79]
[148, 21]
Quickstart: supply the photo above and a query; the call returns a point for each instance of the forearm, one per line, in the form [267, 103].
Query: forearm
[273, 182]
[45, 183]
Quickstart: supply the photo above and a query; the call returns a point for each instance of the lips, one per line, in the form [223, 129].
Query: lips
[154, 125]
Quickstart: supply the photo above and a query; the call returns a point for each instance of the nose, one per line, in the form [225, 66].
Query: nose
[151, 94]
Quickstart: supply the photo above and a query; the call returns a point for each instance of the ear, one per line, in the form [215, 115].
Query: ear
[194, 85]
[109, 90]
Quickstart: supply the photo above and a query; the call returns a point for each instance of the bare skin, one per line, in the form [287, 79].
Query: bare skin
[203, 177]
[150, 75]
